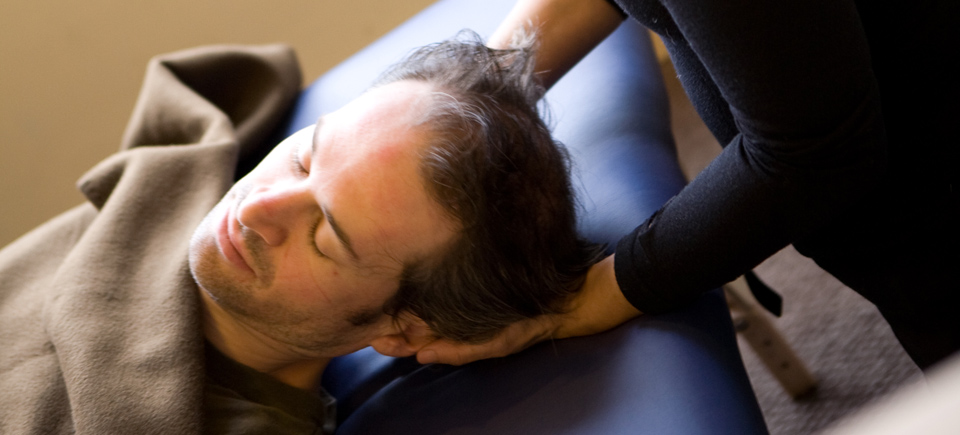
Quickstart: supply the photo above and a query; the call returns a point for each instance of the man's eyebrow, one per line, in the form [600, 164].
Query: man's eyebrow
[341, 236]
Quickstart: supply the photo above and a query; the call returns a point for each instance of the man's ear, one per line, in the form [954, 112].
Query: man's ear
[414, 335]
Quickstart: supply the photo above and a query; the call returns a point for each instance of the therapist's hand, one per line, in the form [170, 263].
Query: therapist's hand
[599, 306]
[567, 31]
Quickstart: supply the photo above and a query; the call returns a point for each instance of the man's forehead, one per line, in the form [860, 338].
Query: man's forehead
[377, 198]
[382, 125]
[402, 97]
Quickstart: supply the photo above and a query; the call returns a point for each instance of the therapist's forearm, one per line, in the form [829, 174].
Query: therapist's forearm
[567, 30]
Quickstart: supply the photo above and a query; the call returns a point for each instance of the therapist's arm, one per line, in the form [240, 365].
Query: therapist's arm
[599, 306]
[567, 31]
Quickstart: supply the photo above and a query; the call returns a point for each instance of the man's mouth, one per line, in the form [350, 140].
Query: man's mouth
[231, 242]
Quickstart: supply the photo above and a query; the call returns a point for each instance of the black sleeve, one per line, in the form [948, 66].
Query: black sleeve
[801, 103]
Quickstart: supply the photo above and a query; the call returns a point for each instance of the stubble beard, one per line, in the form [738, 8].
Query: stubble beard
[238, 297]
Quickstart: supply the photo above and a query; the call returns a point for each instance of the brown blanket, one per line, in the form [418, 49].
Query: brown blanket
[99, 318]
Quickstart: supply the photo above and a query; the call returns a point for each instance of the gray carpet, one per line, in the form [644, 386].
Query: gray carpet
[839, 335]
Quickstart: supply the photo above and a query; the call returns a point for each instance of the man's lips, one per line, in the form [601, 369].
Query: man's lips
[231, 241]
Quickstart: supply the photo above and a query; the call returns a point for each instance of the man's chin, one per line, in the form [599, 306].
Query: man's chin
[205, 259]
[201, 242]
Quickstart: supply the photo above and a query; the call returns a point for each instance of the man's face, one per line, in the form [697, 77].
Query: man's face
[308, 247]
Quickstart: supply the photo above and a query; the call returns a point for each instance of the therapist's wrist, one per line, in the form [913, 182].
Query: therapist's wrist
[599, 306]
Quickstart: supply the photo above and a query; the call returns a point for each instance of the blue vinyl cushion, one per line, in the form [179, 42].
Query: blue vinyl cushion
[678, 373]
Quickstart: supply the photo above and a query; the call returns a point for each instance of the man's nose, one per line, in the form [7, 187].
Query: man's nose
[272, 211]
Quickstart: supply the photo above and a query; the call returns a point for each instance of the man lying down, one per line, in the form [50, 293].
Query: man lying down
[434, 205]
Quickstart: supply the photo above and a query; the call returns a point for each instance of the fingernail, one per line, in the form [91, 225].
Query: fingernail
[427, 357]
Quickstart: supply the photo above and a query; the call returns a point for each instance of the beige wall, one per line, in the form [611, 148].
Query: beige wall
[70, 72]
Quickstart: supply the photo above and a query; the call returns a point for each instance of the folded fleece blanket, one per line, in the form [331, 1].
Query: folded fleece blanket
[99, 316]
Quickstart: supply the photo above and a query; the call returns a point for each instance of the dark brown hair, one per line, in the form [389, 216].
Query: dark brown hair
[494, 167]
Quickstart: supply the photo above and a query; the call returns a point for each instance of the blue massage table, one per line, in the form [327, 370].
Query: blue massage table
[678, 373]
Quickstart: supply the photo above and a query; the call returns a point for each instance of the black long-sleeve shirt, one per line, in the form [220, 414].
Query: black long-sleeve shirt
[836, 119]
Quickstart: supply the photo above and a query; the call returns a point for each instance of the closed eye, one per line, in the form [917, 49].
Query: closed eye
[298, 166]
[313, 239]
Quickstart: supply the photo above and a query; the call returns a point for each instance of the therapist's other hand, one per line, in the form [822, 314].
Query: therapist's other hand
[599, 306]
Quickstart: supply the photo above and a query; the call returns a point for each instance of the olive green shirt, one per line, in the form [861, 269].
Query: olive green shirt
[241, 400]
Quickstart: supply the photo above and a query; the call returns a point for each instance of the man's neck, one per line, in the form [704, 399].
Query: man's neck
[249, 347]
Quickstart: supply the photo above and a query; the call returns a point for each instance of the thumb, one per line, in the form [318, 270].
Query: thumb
[512, 339]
